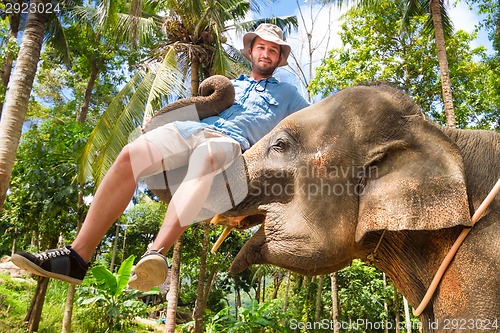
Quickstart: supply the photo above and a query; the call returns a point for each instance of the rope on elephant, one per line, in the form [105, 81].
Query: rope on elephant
[451, 254]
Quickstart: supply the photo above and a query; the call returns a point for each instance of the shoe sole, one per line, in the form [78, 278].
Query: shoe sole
[33, 268]
[150, 271]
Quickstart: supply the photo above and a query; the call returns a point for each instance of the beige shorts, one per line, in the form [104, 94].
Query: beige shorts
[229, 186]
[176, 149]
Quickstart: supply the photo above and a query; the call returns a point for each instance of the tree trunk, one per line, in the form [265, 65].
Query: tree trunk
[6, 70]
[386, 307]
[195, 80]
[34, 313]
[287, 290]
[94, 71]
[317, 313]
[115, 245]
[257, 292]
[278, 279]
[396, 310]
[208, 285]
[173, 294]
[443, 63]
[263, 288]
[70, 296]
[237, 298]
[335, 302]
[13, 249]
[199, 304]
[68, 309]
[17, 97]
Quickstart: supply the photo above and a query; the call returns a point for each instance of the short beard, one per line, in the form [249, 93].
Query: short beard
[263, 71]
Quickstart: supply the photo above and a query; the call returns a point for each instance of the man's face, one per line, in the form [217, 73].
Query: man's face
[265, 56]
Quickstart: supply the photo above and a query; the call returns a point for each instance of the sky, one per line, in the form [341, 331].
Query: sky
[463, 19]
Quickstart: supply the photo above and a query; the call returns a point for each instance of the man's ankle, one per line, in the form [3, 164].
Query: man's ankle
[78, 258]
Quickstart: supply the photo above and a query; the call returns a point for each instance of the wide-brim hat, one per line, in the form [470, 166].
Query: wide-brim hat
[270, 33]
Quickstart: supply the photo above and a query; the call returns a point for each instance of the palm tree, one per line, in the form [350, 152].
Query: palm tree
[195, 47]
[173, 293]
[108, 27]
[5, 71]
[17, 98]
[440, 22]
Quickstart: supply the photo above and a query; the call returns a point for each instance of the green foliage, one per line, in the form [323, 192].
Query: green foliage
[43, 193]
[8, 47]
[14, 297]
[491, 19]
[105, 302]
[362, 294]
[141, 224]
[375, 50]
[257, 317]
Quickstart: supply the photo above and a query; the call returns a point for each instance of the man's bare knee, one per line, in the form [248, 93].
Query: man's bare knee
[145, 158]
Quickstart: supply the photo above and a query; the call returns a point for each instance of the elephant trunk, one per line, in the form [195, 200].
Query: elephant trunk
[216, 94]
[250, 253]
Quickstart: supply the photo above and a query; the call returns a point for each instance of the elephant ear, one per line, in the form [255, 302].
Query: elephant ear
[414, 183]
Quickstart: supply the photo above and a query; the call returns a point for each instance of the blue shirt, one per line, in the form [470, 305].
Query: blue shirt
[258, 107]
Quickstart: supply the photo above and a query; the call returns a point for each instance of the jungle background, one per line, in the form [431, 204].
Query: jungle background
[79, 77]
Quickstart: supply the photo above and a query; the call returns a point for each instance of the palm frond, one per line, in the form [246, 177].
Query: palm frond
[422, 7]
[239, 63]
[445, 21]
[135, 14]
[167, 83]
[221, 62]
[133, 28]
[55, 35]
[89, 15]
[286, 23]
[413, 8]
[123, 115]
[234, 10]
[108, 15]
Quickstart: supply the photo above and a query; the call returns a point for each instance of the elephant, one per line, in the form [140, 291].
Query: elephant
[364, 174]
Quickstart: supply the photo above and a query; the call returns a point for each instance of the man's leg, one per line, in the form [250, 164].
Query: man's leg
[204, 163]
[111, 198]
[114, 193]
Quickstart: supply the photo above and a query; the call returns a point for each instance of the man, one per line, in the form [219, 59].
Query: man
[205, 147]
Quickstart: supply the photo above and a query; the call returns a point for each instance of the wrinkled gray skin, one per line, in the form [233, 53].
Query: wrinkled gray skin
[330, 178]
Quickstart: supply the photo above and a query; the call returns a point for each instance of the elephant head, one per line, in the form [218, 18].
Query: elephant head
[359, 168]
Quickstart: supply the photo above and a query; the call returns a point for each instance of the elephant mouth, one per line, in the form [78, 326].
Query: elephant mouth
[245, 256]
[240, 222]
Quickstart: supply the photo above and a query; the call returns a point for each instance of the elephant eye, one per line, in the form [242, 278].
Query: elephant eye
[279, 146]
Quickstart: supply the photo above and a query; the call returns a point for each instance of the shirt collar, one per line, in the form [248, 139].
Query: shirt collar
[244, 77]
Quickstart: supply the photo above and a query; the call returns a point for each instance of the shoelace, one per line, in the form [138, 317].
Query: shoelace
[53, 254]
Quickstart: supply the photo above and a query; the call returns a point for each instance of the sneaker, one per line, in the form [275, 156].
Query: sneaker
[63, 264]
[150, 271]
